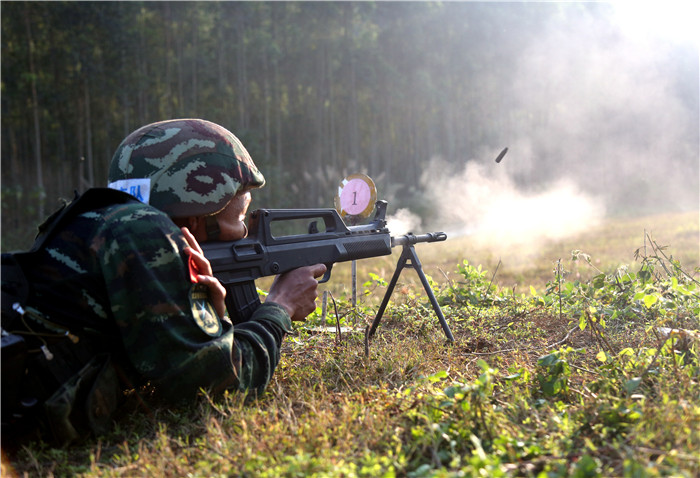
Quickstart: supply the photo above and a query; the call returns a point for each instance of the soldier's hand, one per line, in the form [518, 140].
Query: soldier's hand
[296, 290]
[203, 273]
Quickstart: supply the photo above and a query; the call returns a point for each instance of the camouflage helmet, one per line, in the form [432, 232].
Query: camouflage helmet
[184, 167]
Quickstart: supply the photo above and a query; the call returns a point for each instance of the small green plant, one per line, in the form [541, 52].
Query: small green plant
[555, 372]
[659, 289]
[475, 290]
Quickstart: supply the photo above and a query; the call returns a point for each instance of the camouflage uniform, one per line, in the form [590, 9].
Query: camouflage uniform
[123, 270]
[120, 271]
[192, 167]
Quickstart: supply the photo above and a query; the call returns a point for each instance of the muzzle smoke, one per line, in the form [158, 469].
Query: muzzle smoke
[482, 200]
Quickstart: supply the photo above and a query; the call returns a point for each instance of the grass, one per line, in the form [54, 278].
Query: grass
[570, 379]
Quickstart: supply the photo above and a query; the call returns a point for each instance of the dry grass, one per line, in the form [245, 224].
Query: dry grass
[335, 410]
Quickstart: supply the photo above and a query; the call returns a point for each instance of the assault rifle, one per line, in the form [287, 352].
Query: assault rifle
[270, 249]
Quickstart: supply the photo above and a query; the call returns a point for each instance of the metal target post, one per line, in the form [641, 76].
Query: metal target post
[355, 200]
[353, 220]
[354, 284]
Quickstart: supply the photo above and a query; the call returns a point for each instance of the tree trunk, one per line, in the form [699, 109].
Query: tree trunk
[16, 175]
[276, 95]
[35, 117]
[330, 111]
[353, 127]
[88, 139]
[241, 78]
[266, 101]
[195, 67]
[179, 53]
[170, 107]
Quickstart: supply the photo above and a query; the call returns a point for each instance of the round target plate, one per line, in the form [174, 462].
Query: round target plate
[356, 196]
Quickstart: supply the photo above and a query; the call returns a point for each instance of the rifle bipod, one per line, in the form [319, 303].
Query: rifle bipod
[410, 259]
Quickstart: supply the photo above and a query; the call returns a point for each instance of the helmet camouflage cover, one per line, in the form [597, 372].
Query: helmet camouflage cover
[188, 167]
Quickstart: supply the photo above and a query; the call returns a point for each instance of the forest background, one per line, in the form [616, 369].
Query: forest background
[599, 111]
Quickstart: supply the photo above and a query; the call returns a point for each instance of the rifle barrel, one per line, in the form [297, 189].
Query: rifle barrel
[411, 238]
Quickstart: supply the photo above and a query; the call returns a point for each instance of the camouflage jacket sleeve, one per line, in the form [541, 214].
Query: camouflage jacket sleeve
[257, 350]
[168, 336]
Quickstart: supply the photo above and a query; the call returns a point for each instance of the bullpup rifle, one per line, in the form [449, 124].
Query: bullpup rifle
[270, 249]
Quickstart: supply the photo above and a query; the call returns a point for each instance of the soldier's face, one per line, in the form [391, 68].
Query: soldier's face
[232, 218]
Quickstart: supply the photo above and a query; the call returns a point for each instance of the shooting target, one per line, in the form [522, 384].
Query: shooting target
[356, 197]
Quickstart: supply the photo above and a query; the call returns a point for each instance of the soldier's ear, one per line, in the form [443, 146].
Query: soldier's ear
[196, 224]
[198, 227]
[192, 222]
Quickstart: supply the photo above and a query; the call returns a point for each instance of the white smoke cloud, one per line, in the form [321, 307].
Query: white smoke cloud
[403, 222]
[484, 201]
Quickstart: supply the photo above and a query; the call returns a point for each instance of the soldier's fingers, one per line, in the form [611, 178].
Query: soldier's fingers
[189, 237]
[318, 270]
[202, 264]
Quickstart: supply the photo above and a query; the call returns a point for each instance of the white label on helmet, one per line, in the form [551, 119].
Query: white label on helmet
[140, 188]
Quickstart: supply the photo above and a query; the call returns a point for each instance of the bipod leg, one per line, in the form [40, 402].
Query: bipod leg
[399, 267]
[410, 259]
[428, 290]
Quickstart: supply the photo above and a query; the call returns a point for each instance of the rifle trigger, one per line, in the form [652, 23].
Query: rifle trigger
[327, 275]
[313, 227]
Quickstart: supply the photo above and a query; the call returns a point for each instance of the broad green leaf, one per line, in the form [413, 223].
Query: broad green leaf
[644, 275]
[438, 376]
[633, 384]
[582, 322]
[649, 300]
[547, 360]
[598, 281]
[483, 365]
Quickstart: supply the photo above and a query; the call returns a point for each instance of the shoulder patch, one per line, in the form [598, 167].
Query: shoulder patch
[203, 311]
